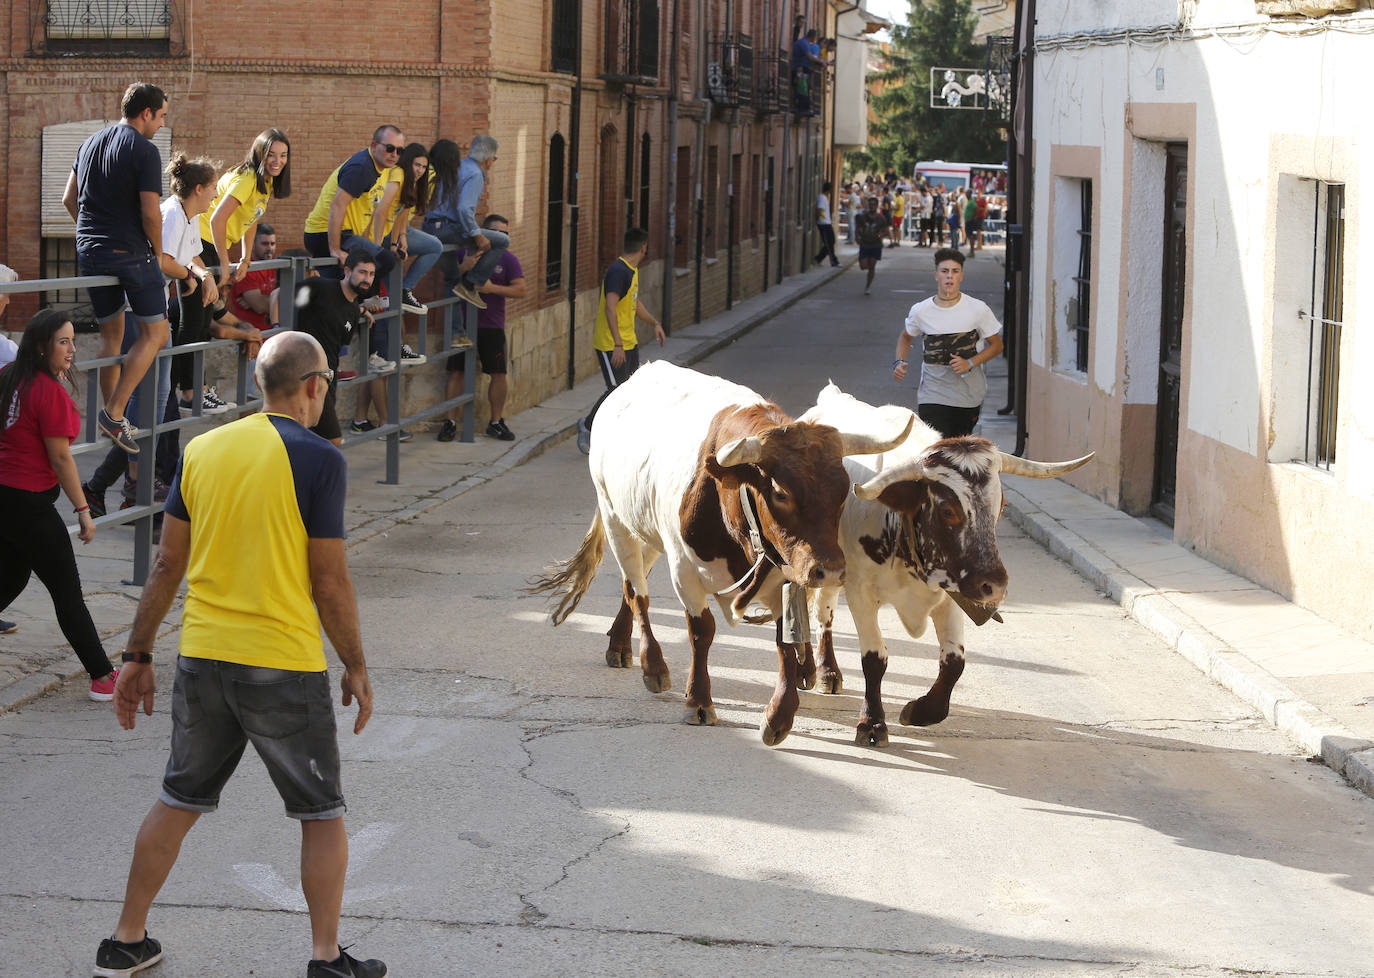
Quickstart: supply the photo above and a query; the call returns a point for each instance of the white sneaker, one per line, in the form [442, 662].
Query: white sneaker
[377, 365]
[409, 358]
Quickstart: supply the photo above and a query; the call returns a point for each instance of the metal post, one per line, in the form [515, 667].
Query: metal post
[393, 391]
[470, 370]
[146, 419]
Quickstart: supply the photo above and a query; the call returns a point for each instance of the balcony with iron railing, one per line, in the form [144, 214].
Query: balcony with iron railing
[730, 70]
[632, 42]
[772, 83]
[105, 28]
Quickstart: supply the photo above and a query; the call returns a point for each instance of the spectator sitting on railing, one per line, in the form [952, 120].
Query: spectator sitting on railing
[507, 282]
[240, 202]
[342, 216]
[8, 348]
[330, 310]
[38, 423]
[113, 195]
[407, 193]
[452, 217]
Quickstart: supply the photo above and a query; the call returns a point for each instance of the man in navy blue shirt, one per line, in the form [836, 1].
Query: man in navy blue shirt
[113, 195]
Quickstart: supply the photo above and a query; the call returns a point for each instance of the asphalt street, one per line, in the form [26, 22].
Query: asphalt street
[1093, 806]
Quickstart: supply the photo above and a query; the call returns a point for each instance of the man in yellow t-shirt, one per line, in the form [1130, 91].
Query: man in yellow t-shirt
[342, 216]
[613, 339]
[255, 521]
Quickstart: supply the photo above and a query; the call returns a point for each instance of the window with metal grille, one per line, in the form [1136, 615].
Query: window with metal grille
[631, 51]
[1083, 280]
[564, 55]
[553, 244]
[106, 27]
[57, 259]
[1324, 321]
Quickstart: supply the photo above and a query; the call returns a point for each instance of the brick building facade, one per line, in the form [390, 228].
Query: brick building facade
[733, 171]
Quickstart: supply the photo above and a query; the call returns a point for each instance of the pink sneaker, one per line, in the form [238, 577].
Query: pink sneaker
[102, 690]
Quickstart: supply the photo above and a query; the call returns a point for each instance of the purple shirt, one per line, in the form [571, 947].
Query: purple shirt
[506, 270]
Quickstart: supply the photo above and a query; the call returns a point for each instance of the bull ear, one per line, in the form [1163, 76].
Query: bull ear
[1015, 465]
[741, 451]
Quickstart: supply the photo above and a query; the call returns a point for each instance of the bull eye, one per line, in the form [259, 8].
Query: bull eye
[780, 494]
[950, 515]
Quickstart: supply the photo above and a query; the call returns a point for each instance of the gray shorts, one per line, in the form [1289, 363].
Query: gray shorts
[218, 707]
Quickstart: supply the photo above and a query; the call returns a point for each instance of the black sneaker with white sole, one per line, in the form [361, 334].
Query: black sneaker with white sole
[115, 959]
[346, 966]
[411, 304]
[409, 358]
[449, 430]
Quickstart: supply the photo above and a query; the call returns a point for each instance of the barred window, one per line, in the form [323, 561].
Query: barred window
[644, 172]
[553, 246]
[564, 55]
[1073, 247]
[107, 26]
[1324, 320]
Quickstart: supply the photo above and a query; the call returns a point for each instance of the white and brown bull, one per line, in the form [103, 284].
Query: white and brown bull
[922, 537]
[675, 458]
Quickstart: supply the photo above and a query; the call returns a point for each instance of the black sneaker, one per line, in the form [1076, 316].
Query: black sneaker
[498, 430]
[361, 427]
[448, 431]
[115, 959]
[411, 304]
[7, 626]
[95, 500]
[121, 432]
[346, 966]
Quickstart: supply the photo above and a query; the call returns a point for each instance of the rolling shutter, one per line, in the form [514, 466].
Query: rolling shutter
[60, 143]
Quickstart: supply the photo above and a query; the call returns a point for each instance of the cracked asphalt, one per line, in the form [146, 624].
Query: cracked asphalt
[1093, 806]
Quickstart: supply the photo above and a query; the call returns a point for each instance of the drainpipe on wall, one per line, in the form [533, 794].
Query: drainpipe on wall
[574, 147]
[670, 225]
[730, 172]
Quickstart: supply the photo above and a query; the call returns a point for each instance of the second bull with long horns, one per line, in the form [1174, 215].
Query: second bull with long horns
[922, 537]
[735, 494]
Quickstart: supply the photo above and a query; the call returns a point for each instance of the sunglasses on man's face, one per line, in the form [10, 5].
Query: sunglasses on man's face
[328, 375]
[388, 148]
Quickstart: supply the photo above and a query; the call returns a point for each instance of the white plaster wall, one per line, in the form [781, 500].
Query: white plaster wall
[851, 86]
[1070, 16]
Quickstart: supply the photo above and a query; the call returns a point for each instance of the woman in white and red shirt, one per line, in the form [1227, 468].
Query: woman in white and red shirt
[38, 423]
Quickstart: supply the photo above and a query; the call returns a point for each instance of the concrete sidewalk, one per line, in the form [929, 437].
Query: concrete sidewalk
[36, 659]
[1312, 680]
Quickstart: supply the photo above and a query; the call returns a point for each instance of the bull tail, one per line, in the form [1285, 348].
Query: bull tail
[568, 580]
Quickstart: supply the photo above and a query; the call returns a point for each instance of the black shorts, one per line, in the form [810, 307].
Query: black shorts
[948, 420]
[615, 376]
[218, 707]
[875, 253]
[491, 353]
[328, 425]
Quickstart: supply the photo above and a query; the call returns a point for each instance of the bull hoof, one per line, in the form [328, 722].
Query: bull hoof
[806, 681]
[772, 737]
[831, 682]
[700, 716]
[870, 734]
[658, 682]
[619, 658]
[924, 712]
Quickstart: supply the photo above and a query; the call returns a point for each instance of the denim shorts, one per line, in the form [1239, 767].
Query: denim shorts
[140, 279]
[218, 707]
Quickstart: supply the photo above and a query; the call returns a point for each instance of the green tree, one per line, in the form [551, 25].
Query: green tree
[905, 127]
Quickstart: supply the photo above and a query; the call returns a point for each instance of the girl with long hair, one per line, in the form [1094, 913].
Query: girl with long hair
[445, 158]
[241, 201]
[38, 423]
[408, 192]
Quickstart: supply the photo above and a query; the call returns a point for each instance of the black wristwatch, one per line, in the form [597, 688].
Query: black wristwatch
[136, 657]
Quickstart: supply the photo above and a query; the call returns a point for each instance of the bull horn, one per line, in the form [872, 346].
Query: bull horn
[1014, 465]
[911, 471]
[855, 443]
[741, 451]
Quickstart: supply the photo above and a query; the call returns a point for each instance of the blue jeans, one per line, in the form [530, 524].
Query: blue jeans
[450, 233]
[317, 243]
[425, 249]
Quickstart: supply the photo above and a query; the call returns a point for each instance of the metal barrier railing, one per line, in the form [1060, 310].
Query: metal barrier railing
[291, 271]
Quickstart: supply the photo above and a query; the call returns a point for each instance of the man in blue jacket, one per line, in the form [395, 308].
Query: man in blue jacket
[455, 220]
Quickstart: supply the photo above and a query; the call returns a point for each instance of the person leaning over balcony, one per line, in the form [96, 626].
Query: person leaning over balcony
[452, 217]
[407, 192]
[113, 194]
[342, 216]
[38, 423]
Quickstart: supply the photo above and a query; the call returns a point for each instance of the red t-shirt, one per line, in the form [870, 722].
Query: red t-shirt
[40, 410]
[263, 282]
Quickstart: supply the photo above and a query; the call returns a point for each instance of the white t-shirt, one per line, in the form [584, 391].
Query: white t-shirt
[8, 350]
[939, 383]
[180, 235]
[822, 209]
